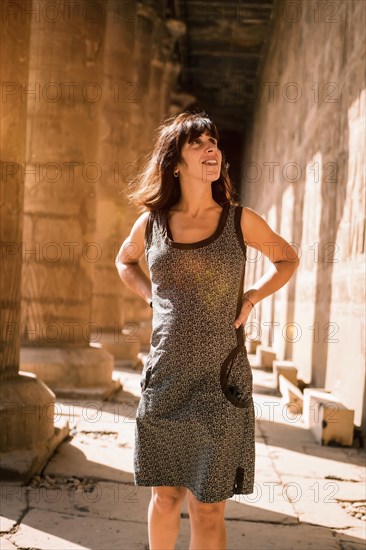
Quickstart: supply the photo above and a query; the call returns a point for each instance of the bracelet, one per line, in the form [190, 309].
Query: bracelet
[247, 299]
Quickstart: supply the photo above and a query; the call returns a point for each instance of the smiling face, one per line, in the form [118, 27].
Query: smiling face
[201, 159]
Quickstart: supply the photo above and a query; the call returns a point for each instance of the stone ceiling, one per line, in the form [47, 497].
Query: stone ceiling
[221, 55]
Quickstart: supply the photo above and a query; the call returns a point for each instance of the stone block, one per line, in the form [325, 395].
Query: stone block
[27, 412]
[48, 230]
[252, 344]
[60, 368]
[122, 346]
[30, 432]
[108, 311]
[106, 280]
[103, 392]
[55, 282]
[328, 419]
[145, 332]
[287, 369]
[266, 356]
[292, 397]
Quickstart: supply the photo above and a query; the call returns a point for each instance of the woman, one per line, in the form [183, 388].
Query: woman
[195, 420]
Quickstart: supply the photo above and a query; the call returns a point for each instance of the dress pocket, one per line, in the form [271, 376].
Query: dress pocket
[145, 378]
[236, 378]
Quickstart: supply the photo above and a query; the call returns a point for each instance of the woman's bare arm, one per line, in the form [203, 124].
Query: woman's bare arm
[128, 257]
[258, 234]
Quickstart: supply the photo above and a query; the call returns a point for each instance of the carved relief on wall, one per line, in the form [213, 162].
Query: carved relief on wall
[351, 232]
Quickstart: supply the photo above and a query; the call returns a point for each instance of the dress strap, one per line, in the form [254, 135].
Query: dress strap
[149, 227]
[239, 233]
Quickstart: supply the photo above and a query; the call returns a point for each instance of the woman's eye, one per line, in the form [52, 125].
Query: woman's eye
[198, 141]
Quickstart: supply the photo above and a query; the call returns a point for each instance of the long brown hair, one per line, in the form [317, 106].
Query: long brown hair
[156, 188]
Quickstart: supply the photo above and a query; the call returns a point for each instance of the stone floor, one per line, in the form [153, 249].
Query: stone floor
[306, 496]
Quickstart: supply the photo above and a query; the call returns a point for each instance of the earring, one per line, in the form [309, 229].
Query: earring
[176, 172]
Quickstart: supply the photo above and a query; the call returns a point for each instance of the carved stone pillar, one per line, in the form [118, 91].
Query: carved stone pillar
[180, 101]
[28, 435]
[111, 309]
[60, 246]
[171, 72]
[164, 71]
[155, 114]
[146, 20]
[176, 29]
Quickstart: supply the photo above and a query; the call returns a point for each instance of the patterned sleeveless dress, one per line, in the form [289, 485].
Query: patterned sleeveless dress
[189, 431]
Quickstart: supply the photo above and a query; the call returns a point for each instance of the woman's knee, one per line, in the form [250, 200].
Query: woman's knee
[168, 499]
[206, 513]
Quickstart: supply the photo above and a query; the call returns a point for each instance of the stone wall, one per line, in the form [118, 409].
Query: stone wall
[304, 172]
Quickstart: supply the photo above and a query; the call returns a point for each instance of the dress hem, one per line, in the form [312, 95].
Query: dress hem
[198, 496]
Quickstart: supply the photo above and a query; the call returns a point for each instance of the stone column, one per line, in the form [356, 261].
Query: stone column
[146, 20]
[180, 101]
[60, 247]
[164, 71]
[154, 113]
[28, 435]
[111, 310]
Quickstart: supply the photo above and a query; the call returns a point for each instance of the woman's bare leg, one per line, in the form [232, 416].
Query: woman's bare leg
[164, 516]
[208, 529]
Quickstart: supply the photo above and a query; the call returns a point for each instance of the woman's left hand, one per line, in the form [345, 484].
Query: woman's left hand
[245, 311]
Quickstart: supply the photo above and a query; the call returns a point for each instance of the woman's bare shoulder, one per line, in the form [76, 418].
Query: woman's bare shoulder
[133, 247]
[260, 235]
